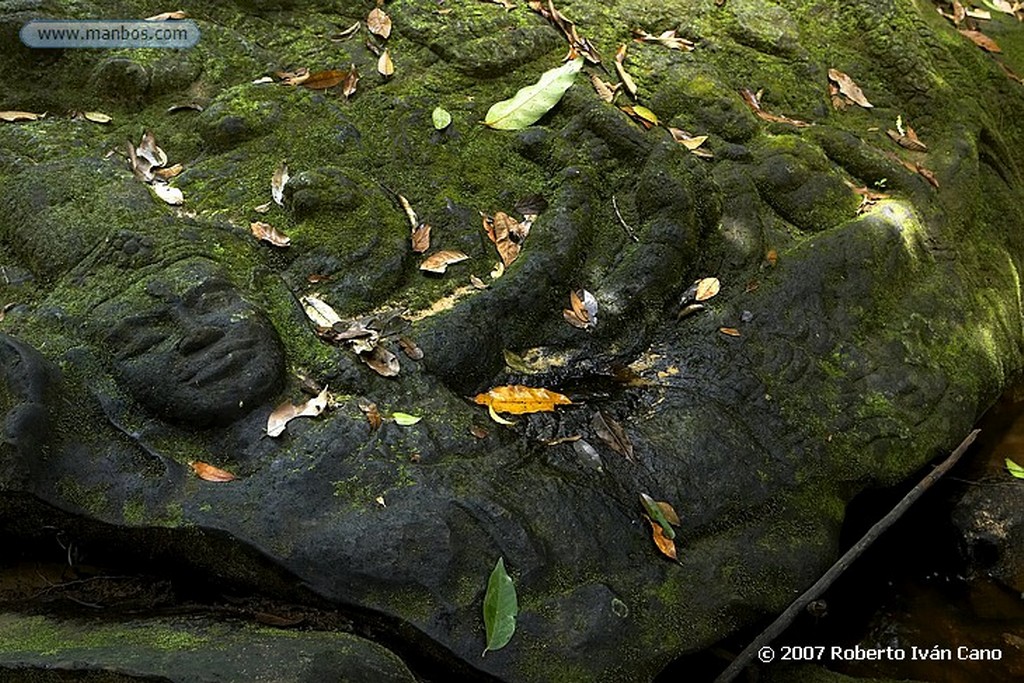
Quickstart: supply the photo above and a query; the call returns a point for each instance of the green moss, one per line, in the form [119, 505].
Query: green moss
[40, 635]
[134, 512]
[92, 499]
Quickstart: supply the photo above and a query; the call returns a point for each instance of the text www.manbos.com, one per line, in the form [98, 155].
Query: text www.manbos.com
[48, 33]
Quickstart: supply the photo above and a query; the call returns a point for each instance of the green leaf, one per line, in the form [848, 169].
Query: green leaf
[654, 512]
[441, 118]
[533, 101]
[500, 608]
[1014, 469]
[405, 419]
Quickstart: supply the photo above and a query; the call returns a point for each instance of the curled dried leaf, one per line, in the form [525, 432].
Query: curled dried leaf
[729, 331]
[96, 117]
[168, 194]
[348, 87]
[324, 80]
[981, 40]
[754, 102]
[14, 116]
[848, 88]
[381, 361]
[385, 67]
[268, 233]
[208, 472]
[666, 38]
[278, 182]
[319, 312]
[372, 415]
[624, 78]
[286, 412]
[168, 16]
[665, 545]
[439, 261]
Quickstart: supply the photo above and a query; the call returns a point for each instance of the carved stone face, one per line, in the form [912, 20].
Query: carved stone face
[200, 354]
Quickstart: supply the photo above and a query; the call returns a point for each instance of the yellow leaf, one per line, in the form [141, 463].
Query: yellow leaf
[210, 473]
[518, 399]
[11, 116]
[730, 331]
[385, 67]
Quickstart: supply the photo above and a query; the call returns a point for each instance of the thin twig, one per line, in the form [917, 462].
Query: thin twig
[629, 230]
[786, 618]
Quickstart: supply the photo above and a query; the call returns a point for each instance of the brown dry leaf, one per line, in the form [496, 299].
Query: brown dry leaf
[730, 331]
[562, 439]
[504, 3]
[348, 88]
[502, 229]
[690, 142]
[772, 257]
[347, 33]
[6, 307]
[1011, 74]
[385, 67]
[908, 140]
[669, 512]
[959, 13]
[421, 238]
[477, 282]
[149, 150]
[606, 91]
[583, 311]
[478, 431]
[666, 545]
[379, 22]
[324, 80]
[262, 208]
[169, 172]
[754, 103]
[286, 412]
[268, 233]
[381, 361]
[372, 414]
[168, 16]
[667, 38]
[981, 40]
[187, 106]
[293, 78]
[439, 261]
[518, 399]
[612, 433]
[167, 194]
[625, 78]
[13, 116]
[278, 182]
[577, 44]
[849, 88]
[927, 175]
[277, 621]
[868, 196]
[410, 348]
[210, 473]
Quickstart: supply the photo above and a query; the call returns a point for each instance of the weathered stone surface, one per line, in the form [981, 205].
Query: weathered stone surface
[190, 650]
[868, 342]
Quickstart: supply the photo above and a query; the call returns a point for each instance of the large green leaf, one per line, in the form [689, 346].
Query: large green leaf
[500, 608]
[533, 101]
[1014, 469]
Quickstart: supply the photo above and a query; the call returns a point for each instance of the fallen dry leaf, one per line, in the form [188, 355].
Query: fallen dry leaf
[187, 106]
[286, 412]
[507, 234]
[848, 88]
[578, 45]
[504, 3]
[981, 40]
[96, 117]
[149, 150]
[372, 414]
[168, 194]
[665, 545]
[753, 101]
[498, 418]
[518, 399]
[612, 433]
[907, 140]
[292, 78]
[625, 78]
[772, 257]
[324, 80]
[730, 331]
[169, 172]
[385, 67]
[278, 182]
[701, 290]
[478, 431]
[642, 115]
[606, 91]
[379, 22]
[347, 33]
[210, 473]
[168, 16]
[348, 88]
[439, 261]
[319, 312]
[421, 238]
[381, 361]
[268, 233]
[583, 310]
[410, 349]
[666, 38]
[13, 116]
